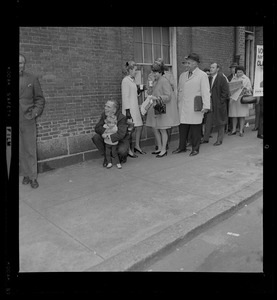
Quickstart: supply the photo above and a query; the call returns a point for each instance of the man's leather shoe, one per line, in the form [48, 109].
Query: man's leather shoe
[260, 136]
[192, 153]
[34, 183]
[204, 142]
[179, 151]
[217, 143]
[26, 180]
[105, 163]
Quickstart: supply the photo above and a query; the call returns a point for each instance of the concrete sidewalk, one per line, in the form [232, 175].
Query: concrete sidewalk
[88, 218]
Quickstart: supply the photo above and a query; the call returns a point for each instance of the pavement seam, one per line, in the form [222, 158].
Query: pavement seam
[64, 231]
[137, 255]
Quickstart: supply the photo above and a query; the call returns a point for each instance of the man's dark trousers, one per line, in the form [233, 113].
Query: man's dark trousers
[196, 130]
[27, 147]
[122, 150]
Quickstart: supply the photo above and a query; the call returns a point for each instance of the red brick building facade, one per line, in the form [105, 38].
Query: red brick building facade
[80, 68]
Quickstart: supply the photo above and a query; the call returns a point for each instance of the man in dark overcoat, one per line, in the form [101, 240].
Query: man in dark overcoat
[219, 101]
[31, 104]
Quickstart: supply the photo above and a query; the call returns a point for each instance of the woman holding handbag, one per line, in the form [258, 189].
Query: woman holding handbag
[164, 113]
[130, 107]
[238, 110]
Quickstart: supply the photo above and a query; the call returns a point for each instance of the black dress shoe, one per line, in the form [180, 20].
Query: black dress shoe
[179, 151]
[26, 180]
[34, 183]
[204, 142]
[192, 153]
[260, 136]
[217, 143]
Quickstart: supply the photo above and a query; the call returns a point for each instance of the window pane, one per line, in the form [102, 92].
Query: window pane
[157, 35]
[137, 34]
[157, 51]
[146, 72]
[166, 54]
[148, 53]
[165, 32]
[147, 35]
[138, 53]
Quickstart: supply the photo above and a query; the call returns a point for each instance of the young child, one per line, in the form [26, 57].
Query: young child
[111, 148]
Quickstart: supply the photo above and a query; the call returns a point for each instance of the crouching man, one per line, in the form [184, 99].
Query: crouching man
[121, 136]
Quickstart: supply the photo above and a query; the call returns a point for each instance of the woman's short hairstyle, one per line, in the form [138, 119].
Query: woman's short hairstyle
[129, 65]
[241, 68]
[158, 67]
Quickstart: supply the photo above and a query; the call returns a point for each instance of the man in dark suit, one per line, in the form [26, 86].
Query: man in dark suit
[122, 135]
[219, 99]
[31, 104]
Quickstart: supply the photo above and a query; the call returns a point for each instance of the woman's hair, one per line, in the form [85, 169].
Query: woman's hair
[241, 68]
[158, 67]
[129, 65]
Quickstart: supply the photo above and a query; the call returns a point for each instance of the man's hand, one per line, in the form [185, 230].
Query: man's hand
[104, 135]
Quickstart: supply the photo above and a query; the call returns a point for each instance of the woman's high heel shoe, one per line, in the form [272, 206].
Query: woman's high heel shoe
[139, 151]
[156, 152]
[232, 133]
[133, 156]
[165, 154]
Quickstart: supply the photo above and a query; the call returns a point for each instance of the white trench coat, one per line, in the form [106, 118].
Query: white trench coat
[188, 88]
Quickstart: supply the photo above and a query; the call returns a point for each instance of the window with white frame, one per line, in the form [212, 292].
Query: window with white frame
[149, 44]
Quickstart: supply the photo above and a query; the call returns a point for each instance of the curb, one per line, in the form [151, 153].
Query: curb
[133, 258]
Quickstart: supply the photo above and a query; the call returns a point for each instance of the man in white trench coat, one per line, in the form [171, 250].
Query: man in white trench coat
[192, 83]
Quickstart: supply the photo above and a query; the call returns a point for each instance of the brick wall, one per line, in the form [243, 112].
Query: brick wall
[79, 69]
[212, 44]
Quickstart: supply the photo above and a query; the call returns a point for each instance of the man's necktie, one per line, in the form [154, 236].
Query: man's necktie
[210, 80]
[190, 73]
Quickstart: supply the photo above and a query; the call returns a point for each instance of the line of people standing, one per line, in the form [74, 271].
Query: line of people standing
[212, 88]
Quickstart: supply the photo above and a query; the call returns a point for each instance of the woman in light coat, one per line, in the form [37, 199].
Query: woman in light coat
[130, 106]
[237, 110]
[160, 123]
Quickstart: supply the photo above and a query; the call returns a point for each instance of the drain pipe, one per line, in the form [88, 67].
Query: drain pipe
[237, 52]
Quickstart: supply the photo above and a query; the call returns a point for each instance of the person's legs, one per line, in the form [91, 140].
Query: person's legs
[241, 124]
[234, 124]
[115, 154]
[195, 136]
[122, 150]
[183, 134]
[158, 138]
[101, 146]
[169, 131]
[28, 149]
[257, 116]
[108, 153]
[99, 143]
[220, 134]
[164, 139]
[138, 135]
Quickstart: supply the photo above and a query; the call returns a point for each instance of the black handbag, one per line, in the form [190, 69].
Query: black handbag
[160, 107]
[248, 99]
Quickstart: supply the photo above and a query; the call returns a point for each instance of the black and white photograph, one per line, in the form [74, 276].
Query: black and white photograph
[140, 149]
